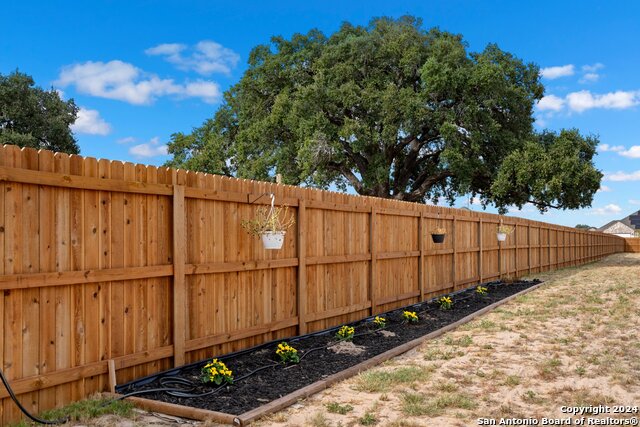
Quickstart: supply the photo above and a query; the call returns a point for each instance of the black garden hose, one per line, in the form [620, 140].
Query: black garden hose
[24, 410]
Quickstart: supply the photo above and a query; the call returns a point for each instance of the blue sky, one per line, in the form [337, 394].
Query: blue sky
[141, 70]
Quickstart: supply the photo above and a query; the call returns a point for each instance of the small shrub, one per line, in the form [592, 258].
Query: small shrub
[446, 303]
[481, 290]
[319, 420]
[368, 419]
[380, 322]
[287, 354]
[336, 408]
[410, 316]
[216, 372]
[84, 410]
[346, 333]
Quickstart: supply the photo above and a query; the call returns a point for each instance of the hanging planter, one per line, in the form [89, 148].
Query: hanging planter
[273, 239]
[504, 231]
[270, 224]
[438, 234]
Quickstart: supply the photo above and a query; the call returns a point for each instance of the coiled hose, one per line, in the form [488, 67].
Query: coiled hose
[24, 410]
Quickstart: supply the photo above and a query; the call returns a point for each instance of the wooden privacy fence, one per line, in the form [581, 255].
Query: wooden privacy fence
[632, 244]
[149, 267]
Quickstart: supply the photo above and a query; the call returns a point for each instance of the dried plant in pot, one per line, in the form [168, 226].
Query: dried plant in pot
[437, 234]
[270, 224]
[504, 231]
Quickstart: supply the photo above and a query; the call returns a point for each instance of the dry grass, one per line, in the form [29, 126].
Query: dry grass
[574, 341]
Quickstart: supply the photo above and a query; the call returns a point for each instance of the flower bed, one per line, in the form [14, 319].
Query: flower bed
[260, 375]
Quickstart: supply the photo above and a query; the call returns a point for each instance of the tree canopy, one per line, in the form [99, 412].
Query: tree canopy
[33, 117]
[395, 111]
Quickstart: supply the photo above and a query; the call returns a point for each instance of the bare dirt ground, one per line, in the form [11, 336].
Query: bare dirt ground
[572, 342]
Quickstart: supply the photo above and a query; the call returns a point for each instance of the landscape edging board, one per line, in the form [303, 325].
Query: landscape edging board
[285, 401]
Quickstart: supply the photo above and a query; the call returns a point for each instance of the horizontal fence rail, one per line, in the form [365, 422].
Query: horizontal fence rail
[145, 268]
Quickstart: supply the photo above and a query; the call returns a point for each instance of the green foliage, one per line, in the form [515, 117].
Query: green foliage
[266, 220]
[345, 333]
[287, 354]
[336, 408]
[216, 372]
[379, 322]
[84, 410]
[33, 117]
[446, 303]
[368, 419]
[410, 316]
[583, 226]
[393, 111]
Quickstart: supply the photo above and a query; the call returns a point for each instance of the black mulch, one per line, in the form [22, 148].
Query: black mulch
[277, 381]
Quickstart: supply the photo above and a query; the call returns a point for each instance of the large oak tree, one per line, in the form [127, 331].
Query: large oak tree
[393, 111]
[33, 117]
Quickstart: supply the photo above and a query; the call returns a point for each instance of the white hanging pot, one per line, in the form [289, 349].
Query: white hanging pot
[273, 239]
[502, 237]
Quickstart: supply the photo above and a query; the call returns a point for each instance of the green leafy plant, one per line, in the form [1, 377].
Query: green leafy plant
[287, 354]
[336, 408]
[410, 316]
[269, 220]
[216, 372]
[446, 303]
[380, 322]
[482, 290]
[506, 229]
[368, 419]
[345, 333]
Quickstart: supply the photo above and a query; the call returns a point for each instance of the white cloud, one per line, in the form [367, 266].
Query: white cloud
[604, 189]
[125, 82]
[607, 147]
[207, 91]
[556, 72]
[127, 140]
[205, 58]
[633, 152]
[592, 68]
[526, 208]
[551, 102]
[622, 176]
[152, 148]
[590, 73]
[634, 202]
[166, 49]
[585, 100]
[610, 209]
[590, 78]
[90, 122]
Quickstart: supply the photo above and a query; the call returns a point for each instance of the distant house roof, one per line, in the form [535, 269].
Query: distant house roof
[620, 226]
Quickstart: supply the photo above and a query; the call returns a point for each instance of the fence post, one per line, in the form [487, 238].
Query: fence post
[179, 291]
[500, 259]
[549, 248]
[421, 259]
[302, 268]
[480, 251]
[529, 246]
[373, 265]
[453, 261]
[515, 252]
